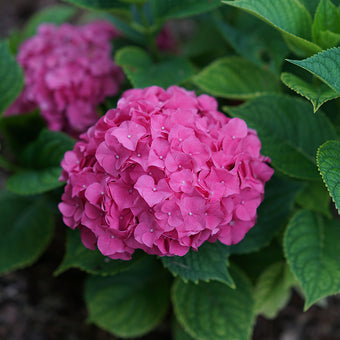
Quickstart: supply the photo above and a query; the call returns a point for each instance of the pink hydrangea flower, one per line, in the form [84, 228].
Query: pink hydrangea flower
[163, 172]
[68, 72]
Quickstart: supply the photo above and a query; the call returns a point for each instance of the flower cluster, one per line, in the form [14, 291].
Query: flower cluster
[68, 72]
[164, 172]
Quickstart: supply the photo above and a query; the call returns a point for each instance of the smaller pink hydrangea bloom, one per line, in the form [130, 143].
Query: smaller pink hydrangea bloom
[68, 71]
[163, 172]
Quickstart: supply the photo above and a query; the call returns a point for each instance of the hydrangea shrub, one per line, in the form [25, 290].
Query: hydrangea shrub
[172, 192]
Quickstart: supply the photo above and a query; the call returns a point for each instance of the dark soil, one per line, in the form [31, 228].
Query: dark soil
[36, 305]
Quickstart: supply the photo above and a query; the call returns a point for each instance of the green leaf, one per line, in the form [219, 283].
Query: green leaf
[129, 304]
[92, 262]
[311, 5]
[54, 14]
[178, 332]
[170, 9]
[273, 289]
[208, 263]
[142, 72]
[290, 17]
[213, 310]
[11, 77]
[98, 4]
[312, 248]
[229, 78]
[324, 65]
[273, 213]
[26, 227]
[315, 197]
[326, 25]
[289, 132]
[328, 159]
[31, 182]
[318, 94]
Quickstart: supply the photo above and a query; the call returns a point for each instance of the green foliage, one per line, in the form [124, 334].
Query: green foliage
[11, 77]
[208, 263]
[213, 310]
[98, 4]
[273, 289]
[324, 65]
[311, 244]
[143, 72]
[329, 166]
[289, 132]
[129, 304]
[290, 17]
[26, 228]
[92, 261]
[318, 93]
[228, 78]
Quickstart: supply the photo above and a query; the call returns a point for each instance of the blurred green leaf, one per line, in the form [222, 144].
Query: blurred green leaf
[98, 4]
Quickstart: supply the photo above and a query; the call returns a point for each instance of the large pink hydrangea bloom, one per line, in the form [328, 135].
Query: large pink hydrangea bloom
[164, 172]
[68, 72]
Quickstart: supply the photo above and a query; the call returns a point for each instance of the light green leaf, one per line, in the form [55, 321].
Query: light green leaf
[31, 182]
[315, 197]
[11, 77]
[273, 289]
[312, 248]
[230, 78]
[142, 72]
[324, 65]
[326, 25]
[213, 310]
[93, 262]
[318, 94]
[129, 304]
[98, 4]
[208, 263]
[272, 214]
[26, 227]
[289, 132]
[328, 159]
[290, 17]
[169, 9]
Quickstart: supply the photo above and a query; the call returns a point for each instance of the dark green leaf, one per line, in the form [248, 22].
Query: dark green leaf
[97, 4]
[26, 226]
[93, 262]
[208, 263]
[142, 72]
[329, 166]
[318, 94]
[213, 310]
[289, 132]
[312, 248]
[11, 77]
[129, 304]
[229, 77]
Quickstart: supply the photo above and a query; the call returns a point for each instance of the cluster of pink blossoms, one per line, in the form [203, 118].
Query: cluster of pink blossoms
[68, 72]
[164, 172]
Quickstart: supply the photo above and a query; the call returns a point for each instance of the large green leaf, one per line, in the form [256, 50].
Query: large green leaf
[213, 310]
[328, 159]
[142, 72]
[317, 94]
[324, 65]
[178, 332]
[312, 248]
[129, 304]
[98, 4]
[230, 78]
[93, 262]
[289, 132]
[168, 9]
[26, 227]
[290, 17]
[273, 289]
[326, 25]
[273, 213]
[208, 263]
[11, 77]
